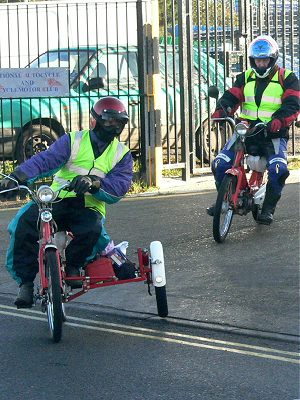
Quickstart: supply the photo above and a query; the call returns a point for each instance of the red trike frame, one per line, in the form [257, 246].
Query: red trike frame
[108, 278]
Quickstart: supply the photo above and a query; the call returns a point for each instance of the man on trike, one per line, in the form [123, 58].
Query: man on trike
[100, 170]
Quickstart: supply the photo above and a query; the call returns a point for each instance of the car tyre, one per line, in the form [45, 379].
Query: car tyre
[33, 140]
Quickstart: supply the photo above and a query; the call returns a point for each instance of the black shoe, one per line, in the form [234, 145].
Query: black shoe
[211, 210]
[265, 218]
[25, 295]
[75, 284]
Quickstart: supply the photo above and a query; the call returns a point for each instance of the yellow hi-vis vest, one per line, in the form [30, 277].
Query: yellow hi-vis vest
[82, 162]
[270, 102]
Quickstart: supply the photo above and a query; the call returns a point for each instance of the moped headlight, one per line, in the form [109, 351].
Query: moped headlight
[45, 194]
[241, 129]
[46, 215]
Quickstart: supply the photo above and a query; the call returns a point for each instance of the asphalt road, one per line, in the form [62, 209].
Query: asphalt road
[233, 326]
[249, 282]
[114, 357]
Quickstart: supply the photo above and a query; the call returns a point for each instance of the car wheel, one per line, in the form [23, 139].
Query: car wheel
[33, 140]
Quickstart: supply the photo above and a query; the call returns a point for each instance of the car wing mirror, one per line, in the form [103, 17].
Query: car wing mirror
[94, 83]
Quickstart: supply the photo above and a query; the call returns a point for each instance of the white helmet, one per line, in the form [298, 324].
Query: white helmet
[263, 47]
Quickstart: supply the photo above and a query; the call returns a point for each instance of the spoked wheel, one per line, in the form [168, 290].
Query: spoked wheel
[223, 212]
[64, 315]
[55, 312]
[159, 277]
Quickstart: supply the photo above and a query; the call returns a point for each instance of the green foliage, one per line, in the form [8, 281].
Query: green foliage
[7, 167]
[140, 186]
[204, 13]
[172, 173]
[294, 163]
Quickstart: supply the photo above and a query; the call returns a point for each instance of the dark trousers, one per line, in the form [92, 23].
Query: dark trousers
[69, 214]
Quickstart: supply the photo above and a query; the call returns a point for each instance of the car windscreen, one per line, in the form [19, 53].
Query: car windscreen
[74, 60]
[117, 68]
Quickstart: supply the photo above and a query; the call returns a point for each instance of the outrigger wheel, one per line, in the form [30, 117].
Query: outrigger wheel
[158, 274]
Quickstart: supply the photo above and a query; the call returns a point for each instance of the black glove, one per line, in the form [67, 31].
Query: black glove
[7, 183]
[219, 114]
[85, 183]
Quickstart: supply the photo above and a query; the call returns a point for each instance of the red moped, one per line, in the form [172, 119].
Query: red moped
[239, 193]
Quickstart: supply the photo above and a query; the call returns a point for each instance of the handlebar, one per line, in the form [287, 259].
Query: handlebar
[230, 120]
[251, 131]
[32, 193]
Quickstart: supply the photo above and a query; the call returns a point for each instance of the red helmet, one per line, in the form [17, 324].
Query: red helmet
[109, 107]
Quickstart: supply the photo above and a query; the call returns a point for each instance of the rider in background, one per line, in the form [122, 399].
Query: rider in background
[100, 170]
[265, 93]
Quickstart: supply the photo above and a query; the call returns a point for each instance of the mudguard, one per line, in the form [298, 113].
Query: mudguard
[157, 264]
[259, 196]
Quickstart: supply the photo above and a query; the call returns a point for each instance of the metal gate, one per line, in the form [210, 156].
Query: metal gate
[159, 57]
[208, 41]
[93, 48]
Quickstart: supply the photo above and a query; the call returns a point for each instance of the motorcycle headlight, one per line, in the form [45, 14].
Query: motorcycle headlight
[241, 129]
[45, 194]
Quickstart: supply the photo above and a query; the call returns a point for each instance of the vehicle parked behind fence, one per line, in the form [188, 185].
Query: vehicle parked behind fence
[30, 125]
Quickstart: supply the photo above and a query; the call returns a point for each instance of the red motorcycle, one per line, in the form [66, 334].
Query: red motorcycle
[238, 193]
[54, 290]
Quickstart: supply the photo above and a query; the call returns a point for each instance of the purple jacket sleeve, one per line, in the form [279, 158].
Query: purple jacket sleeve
[49, 161]
[117, 182]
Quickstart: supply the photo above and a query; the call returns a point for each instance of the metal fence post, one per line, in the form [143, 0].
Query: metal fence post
[183, 73]
[142, 51]
[155, 147]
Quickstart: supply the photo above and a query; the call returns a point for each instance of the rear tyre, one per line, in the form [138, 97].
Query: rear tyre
[54, 301]
[223, 212]
[255, 212]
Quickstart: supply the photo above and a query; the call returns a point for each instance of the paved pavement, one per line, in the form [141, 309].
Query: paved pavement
[201, 183]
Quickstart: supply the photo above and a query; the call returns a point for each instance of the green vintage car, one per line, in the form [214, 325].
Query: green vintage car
[30, 125]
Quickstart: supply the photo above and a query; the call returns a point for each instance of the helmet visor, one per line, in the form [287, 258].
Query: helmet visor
[120, 116]
[261, 49]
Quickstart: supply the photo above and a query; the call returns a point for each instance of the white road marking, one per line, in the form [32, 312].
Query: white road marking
[146, 333]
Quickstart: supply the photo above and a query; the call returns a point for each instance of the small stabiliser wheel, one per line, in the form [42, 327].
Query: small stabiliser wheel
[159, 277]
[54, 302]
[223, 212]
[161, 301]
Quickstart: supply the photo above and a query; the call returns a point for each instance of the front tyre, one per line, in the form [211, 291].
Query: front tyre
[158, 275]
[223, 212]
[256, 211]
[54, 301]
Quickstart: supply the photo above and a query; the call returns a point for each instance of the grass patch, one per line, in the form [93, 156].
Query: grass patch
[7, 167]
[140, 186]
[294, 163]
[172, 173]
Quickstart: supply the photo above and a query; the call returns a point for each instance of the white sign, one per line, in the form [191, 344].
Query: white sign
[34, 82]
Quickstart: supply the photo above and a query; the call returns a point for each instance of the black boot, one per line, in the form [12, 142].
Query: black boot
[211, 210]
[72, 272]
[25, 295]
[268, 208]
